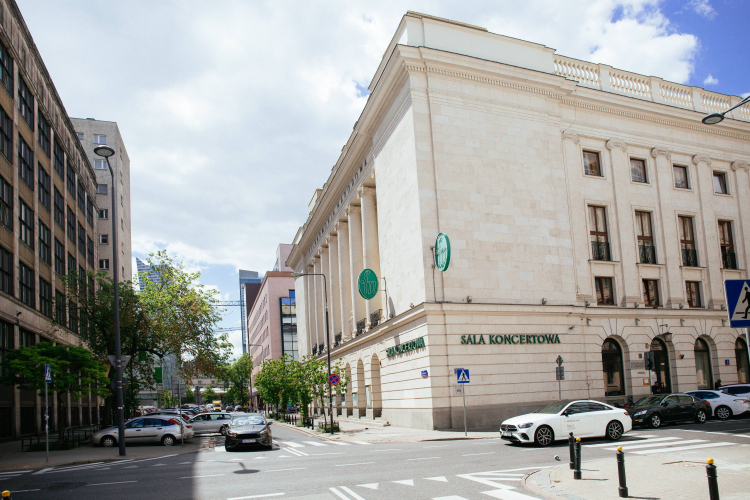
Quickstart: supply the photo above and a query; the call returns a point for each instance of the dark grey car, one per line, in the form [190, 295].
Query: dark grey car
[248, 429]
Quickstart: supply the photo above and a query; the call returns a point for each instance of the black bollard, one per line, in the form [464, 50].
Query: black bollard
[577, 471]
[571, 445]
[6, 495]
[713, 480]
[623, 489]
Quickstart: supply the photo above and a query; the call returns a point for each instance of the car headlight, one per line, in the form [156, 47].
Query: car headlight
[642, 412]
[233, 434]
[525, 426]
[264, 431]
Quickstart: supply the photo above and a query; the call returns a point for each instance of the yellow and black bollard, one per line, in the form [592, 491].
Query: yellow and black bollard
[623, 489]
[6, 494]
[713, 480]
[577, 471]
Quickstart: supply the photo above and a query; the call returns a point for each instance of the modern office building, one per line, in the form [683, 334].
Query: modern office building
[249, 287]
[93, 133]
[47, 223]
[589, 214]
[146, 272]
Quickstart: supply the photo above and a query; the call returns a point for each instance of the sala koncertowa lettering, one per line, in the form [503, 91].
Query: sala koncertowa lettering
[511, 339]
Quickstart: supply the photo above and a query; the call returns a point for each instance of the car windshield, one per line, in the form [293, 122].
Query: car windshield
[553, 407]
[253, 420]
[649, 400]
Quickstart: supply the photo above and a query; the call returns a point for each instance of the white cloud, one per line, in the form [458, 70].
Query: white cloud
[710, 80]
[703, 8]
[233, 112]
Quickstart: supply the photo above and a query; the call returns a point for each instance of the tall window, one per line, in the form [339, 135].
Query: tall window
[59, 209]
[70, 181]
[25, 102]
[289, 325]
[59, 160]
[81, 196]
[71, 264]
[59, 258]
[740, 354]
[614, 380]
[72, 316]
[90, 251]
[6, 272]
[71, 225]
[693, 290]
[45, 243]
[25, 162]
[604, 291]
[104, 213]
[26, 281]
[6, 203]
[44, 135]
[44, 188]
[599, 239]
[6, 135]
[104, 264]
[89, 211]
[638, 170]
[651, 293]
[100, 139]
[720, 183]
[703, 365]
[81, 239]
[687, 242]
[26, 224]
[45, 297]
[728, 258]
[100, 164]
[101, 189]
[7, 342]
[6, 69]
[104, 239]
[646, 247]
[591, 164]
[59, 308]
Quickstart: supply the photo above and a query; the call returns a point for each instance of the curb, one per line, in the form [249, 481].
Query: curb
[305, 430]
[538, 483]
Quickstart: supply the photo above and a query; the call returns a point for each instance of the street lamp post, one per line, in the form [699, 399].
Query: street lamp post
[106, 152]
[714, 118]
[328, 341]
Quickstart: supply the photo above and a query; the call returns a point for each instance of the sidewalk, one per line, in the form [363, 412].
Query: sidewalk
[351, 431]
[11, 457]
[648, 477]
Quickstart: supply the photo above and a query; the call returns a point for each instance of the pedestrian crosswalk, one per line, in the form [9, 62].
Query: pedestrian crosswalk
[295, 447]
[650, 444]
[10, 474]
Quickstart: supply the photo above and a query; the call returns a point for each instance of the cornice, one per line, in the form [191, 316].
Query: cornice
[697, 159]
[657, 152]
[611, 144]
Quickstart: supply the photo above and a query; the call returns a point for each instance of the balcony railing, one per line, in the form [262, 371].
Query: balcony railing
[648, 254]
[600, 250]
[729, 260]
[689, 257]
[337, 339]
[375, 318]
[361, 326]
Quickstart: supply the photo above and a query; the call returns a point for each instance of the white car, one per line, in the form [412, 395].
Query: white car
[722, 404]
[584, 418]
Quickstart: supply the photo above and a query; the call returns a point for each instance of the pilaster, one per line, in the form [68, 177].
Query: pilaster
[711, 260]
[674, 293]
[371, 252]
[345, 280]
[354, 213]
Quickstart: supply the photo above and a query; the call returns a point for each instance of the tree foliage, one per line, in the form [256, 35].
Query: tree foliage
[236, 377]
[208, 395]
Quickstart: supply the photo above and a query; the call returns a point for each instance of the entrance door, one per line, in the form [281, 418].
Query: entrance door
[661, 366]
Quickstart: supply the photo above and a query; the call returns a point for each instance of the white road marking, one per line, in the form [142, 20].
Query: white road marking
[258, 496]
[236, 460]
[681, 448]
[181, 463]
[158, 465]
[321, 454]
[442, 479]
[390, 449]
[441, 446]
[207, 475]
[722, 433]
[425, 458]
[656, 445]
[362, 442]
[23, 491]
[133, 467]
[15, 472]
[116, 482]
[452, 497]
[356, 497]
[407, 482]
[339, 494]
[742, 435]
[627, 443]
[475, 454]
[314, 443]
[282, 470]
[372, 486]
[507, 495]
[339, 443]
[292, 444]
[295, 452]
[360, 463]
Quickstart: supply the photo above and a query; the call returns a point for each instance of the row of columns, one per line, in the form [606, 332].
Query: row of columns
[351, 247]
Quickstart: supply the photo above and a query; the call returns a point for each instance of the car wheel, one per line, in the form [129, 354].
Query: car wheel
[223, 430]
[723, 412]
[544, 436]
[167, 440]
[108, 441]
[700, 417]
[655, 421]
[614, 430]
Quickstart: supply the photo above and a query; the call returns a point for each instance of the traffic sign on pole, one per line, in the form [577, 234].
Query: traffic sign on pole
[462, 375]
[333, 379]
[48, 373]
[738, 302]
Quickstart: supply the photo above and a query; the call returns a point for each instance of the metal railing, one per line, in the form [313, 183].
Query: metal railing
[361, 326]
[648, 254]
[600, 250]
[689, 257]
[729, 260]
[375, 318]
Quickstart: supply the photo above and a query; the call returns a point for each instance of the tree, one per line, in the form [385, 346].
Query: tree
[237, 376]
[276, 382]
[74, 371]
[209, 395]
[340, 369]
[189, 396]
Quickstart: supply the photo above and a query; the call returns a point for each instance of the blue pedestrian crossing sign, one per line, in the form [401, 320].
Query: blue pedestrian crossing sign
[48, 373]
[738, 302]
[462, 375]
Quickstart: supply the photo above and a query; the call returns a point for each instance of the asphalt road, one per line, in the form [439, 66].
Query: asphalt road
[304, 467]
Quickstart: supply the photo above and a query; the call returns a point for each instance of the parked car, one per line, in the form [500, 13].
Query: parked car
[723, 405]
[211, 422]
[736, 389]
[584, 418]
[657, 410]
[185, 416]
[248, 429]
[151, 429]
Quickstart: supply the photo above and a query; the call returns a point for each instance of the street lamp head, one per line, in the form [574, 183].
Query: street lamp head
[104, 151]
[297, 275]
[713, 118]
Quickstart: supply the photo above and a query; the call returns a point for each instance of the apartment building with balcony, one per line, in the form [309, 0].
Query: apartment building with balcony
[590, 215]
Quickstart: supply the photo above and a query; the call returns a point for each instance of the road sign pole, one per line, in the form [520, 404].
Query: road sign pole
[46, 416]
[463, 393]
[747, 343]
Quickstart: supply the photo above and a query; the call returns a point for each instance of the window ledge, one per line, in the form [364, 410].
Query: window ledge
[693, 267]
[646, 264]
[605, 261]
[735, 270]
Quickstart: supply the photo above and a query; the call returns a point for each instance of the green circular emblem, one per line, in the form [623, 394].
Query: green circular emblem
[367, 283]
[442, 252]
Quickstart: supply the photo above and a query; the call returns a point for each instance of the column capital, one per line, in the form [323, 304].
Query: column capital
[697, 159]
[657, 152]
[353, 209]
[330, 238]
[366, 190]
[740, 164]
[613, 143]
[341, 224]
[572, 136]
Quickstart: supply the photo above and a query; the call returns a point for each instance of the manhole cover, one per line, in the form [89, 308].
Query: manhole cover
[61, 486]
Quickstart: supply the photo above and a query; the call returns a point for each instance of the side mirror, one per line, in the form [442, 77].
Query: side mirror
[565, 414]
[665, 403]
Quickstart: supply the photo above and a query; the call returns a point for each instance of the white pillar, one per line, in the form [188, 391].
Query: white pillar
[355, 261]
[345, 280]
[334, 296]
[326, 270]
[319, 307]
[309, 311]
[371, 253]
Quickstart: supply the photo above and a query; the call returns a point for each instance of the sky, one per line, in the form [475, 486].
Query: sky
[233, 112]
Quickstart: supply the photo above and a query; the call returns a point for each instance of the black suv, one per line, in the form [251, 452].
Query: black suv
[658, 410]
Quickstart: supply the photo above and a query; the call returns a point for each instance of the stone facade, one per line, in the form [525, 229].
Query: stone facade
[542, 170]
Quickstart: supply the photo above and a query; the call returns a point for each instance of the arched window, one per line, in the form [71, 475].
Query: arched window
[703, 365]
[740, 352]
[663, 381]
[614, 379]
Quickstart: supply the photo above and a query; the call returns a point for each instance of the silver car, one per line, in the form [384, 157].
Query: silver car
[211, 422]
[156, 429]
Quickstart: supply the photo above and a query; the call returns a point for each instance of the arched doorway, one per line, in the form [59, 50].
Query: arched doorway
[358, 395]
[347, 410]
[612, 368]
[703, 372]
[661, 382]
[373, 396]
[740, 353]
